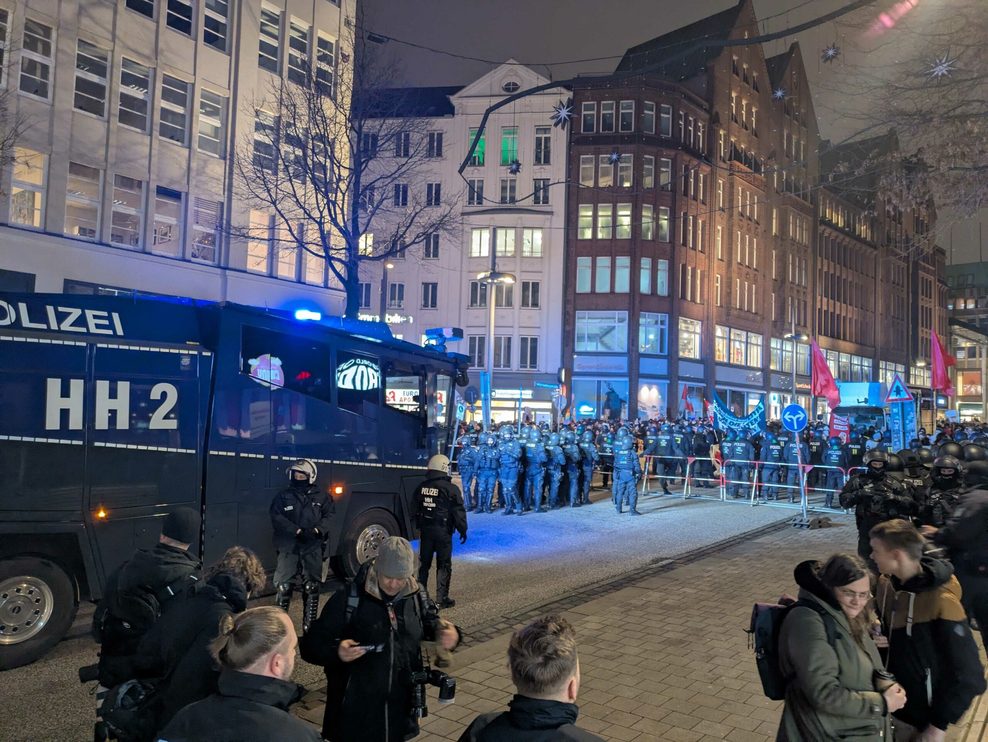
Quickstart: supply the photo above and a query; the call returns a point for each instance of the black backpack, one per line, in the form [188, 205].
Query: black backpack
[129, 710]
[133, 611]
[763, 637]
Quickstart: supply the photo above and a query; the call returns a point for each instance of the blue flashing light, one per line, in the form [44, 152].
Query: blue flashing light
[307, 314]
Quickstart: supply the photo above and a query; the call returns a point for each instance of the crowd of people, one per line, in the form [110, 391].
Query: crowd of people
[182, 657]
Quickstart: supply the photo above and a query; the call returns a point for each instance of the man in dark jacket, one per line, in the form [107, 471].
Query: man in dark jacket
[139, 589]
[876, 496]
[256, 651]
[931, 649]
[301, 515]
[545, 669]
[367, 639]
[439, 511]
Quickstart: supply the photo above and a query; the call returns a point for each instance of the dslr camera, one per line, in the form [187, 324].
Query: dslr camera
[430, 676]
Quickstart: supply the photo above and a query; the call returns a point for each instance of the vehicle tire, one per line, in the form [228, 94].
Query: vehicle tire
[37, 607]
[361, 539]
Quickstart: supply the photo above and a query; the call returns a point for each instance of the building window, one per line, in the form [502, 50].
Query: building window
[665, 120]
[478, 294]
[396, 295]
[36, 59]
[662, 278]
[605, 221]
[298, 52]
[509, 190]
[583, 271]
[269, 40]
[179, 16]
[588, 117]
[90, 78]
[626, 121]
[530, 294]
[433, 194]
[648, 117]
[543, 144]
[502, 351]
[607, 116]
[400, 194]
[167, 236]
[430, 249]
[403, 145]
[475, 192]
[82, 201]
[721, 336]
[27, 188]
[480, 242]
[719, 242]
[717, 291]
[645, 276]
[174, 109]
[477, 345]
[605, 172]
[4, 31]
[648, 171]
[214, 28]
[663, 223]
[212, 123]
[665, 174]
[505, 242]
[259, 242]
[626, 169]
[690, 331]
[434, 145]
[479, 152]
[622, 229]
[264, 151]
[364, 295]
[531, 243]
[430, 295]
[587, 170]
[529, 355]
[653, 333]
[602, 276]
[326, 65]
[207, 220]
[509, 144]
[584, 230]
[622, 274]
[601, 332]
[127, 218]
[648, 221]
[540, 194]
[144, 7]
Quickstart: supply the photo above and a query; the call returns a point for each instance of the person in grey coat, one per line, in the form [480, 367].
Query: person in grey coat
[838, 689]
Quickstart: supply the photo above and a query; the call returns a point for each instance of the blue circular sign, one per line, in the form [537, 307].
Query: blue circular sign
[794, 418]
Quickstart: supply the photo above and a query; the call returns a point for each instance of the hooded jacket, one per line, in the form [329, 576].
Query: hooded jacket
[831, 693]
[301, 507]
[931, 652]
[246, 707]
[529, 720]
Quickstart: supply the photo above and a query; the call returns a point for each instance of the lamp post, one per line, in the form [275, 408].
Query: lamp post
[921, 363]
[796, 338]
[384, 288]
[491, 279]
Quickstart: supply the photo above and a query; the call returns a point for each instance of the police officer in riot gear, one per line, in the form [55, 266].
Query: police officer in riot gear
[590, 460]
[509, 454]
[301, 516]
[796, 451]
[466, 464]
[535, 459]
[627, 472]
[574, 460]
[834, 456]
[666, 462]
[438, 512]
[556, 460]
[702, 440]
[876, 496]
[773, 454]
[487, 464]
[945, 490]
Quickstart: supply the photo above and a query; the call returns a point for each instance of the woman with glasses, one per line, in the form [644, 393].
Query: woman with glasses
[837, 688]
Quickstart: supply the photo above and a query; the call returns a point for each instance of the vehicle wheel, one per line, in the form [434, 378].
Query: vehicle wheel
[362, 538]
[37, 607]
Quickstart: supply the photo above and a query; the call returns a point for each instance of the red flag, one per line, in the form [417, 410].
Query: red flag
[941, 362]
[822, 384]
[687, 404]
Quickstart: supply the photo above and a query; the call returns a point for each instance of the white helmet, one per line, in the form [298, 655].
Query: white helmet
[306, 467]
[439, 463]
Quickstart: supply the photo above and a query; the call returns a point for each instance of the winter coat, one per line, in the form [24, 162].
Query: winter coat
[965, 535]
[246, 707]
[439, 505]
[931, 652]
[371, 697]
[529, 720]
[301, 507]
[176, 649]
[160, 571]
[832, 693]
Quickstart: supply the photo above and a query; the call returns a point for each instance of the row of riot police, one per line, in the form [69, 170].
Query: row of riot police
[670, 447]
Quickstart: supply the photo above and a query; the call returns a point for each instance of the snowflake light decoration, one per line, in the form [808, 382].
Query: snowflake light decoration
[779, 94]
[562, 113]
[941, 67]
[514, 167]
[830, 53]
[615, 157]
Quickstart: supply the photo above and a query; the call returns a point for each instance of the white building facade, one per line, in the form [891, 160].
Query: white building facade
[124, 176]
[436, 284]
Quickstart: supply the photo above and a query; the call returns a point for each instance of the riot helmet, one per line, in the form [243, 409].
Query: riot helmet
[895, 464]
[302, 471]
[980, 440]
[876, 462]
[438, 463]
[666, 428]
[911, 462]
[947, 470]
[961, 435]
[974, 452]
[553, 439]
[951, 449]
[914, 444]
[834, 441]
[925, 456]
[976, 473]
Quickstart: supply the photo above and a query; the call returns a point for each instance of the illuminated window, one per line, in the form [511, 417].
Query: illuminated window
[167, 235]
[82, 201]
[127, 218]
[27, 188]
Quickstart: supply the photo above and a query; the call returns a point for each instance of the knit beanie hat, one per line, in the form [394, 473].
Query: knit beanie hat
[395, 558]
[182, 525]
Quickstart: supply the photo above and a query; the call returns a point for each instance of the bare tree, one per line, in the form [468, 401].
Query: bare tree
[326, 156]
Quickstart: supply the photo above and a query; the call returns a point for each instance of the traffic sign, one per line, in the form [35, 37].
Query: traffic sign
[794, 418]
[898, 392]
[471, 394]
[547, 385]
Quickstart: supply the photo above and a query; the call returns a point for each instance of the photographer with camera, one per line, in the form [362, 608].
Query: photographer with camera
[368, 640]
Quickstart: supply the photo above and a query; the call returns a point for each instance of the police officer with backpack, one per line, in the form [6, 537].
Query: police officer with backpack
[439, 511]
[301, 515]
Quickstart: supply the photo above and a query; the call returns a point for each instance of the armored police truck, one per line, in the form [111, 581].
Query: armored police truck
[115, 410]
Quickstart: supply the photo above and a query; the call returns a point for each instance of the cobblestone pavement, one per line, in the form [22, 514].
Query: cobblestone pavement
[665, 657]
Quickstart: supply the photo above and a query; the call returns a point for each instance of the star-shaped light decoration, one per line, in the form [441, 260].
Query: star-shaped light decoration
[941, 67]
[615, 157]
[779, 94]
[830, 53]
[562, 113]
[514, 167]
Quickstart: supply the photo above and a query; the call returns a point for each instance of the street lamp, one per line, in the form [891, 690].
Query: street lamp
[384, 288]
[491, 279]
[921, 363]
[796, 338]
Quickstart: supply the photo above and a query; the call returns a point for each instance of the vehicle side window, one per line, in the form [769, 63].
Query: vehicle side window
[358, 382]
[281, 361]
[402, 389]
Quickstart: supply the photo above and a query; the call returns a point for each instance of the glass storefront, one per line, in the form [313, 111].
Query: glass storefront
[603, 398]
[652, 399]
